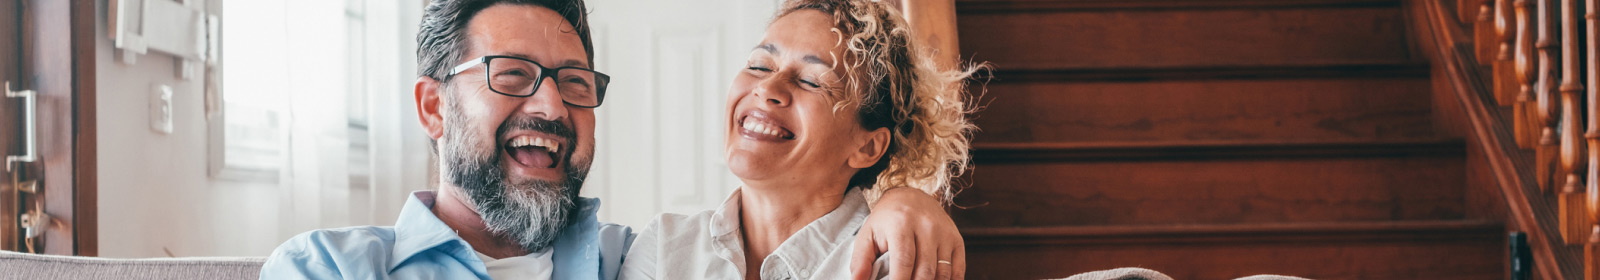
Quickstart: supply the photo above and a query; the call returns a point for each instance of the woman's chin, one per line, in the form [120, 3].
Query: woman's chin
[749, 167]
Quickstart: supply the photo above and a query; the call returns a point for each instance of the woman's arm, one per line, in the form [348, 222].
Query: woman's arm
[911, 226]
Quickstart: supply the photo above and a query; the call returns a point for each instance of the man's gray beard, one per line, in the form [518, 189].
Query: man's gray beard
[531, 212]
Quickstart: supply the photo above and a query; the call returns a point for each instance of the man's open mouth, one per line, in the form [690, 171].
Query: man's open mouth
[534, 151]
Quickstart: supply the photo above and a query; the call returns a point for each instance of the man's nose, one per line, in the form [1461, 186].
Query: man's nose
[545, 102]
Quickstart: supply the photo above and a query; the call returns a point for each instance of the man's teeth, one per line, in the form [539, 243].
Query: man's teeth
[530, 141]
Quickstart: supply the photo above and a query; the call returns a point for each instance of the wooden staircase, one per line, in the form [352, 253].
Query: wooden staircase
[1215, 139]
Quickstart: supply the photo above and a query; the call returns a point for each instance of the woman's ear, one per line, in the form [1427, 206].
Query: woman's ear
[873, 146]
[427, 97]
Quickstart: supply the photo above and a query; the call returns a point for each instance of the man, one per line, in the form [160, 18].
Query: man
[507, 92]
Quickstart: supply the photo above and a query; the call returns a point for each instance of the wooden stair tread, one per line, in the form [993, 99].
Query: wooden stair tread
[1387, 70]
[1427, 249]
[1254, 232]
[1221, 190]
[1203, 149]
[1223, 35]
[1024, 6]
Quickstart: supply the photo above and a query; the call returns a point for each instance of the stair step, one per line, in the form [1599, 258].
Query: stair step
[1166, 110]
[1184, 35]
[1217, 189]
[985, 153]
[1257, 72]
[1016, 6]
[1431, 249]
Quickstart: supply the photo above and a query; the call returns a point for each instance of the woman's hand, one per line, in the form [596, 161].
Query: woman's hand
[913, 226]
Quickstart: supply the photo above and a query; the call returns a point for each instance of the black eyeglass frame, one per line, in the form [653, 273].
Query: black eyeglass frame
[601, 79]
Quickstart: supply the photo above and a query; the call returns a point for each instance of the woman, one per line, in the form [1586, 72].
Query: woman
[836, 103]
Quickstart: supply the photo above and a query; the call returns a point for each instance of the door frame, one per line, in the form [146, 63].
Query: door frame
[50, 32]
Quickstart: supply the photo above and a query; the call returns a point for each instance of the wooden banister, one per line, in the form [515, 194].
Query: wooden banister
[1553, 199]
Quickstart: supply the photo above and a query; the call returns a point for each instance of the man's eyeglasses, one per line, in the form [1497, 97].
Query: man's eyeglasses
[519, 77]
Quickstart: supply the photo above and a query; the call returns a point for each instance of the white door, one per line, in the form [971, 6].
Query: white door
[659, 134]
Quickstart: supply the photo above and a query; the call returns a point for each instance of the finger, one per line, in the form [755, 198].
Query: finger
[946, 263]
[959, 262]
[861, 258]
[927, 259]
[903, 253]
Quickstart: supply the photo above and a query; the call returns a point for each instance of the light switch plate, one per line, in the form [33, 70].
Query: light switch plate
[161, 109]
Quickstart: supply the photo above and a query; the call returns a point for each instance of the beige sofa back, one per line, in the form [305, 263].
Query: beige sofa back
[15, 265]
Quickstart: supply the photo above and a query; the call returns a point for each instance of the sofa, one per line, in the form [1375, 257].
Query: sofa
[15, 265]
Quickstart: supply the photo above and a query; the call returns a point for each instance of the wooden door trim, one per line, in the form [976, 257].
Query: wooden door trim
[11, 60]
[85, 136]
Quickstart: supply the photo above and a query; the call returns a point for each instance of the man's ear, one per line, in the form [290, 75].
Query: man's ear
[870, 149]
[428, 102]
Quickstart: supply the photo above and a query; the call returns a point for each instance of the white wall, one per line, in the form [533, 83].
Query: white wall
[660, 131]
[157, 199]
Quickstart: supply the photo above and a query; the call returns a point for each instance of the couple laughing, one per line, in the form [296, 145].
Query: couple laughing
[843, 132]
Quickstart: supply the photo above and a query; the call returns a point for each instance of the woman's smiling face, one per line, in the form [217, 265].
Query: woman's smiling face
[783, 124]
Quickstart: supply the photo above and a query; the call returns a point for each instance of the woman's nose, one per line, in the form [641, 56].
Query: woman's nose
[772, 91]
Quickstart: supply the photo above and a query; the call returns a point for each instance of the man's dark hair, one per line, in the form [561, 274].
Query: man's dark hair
[442, 41]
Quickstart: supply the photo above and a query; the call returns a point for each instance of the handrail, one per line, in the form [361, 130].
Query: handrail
[1519, 184]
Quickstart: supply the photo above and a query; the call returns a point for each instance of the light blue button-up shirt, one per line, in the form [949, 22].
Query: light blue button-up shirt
[420, 246]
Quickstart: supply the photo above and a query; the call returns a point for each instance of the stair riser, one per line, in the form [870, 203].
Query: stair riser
[1366, 108]
[1422, 258]
[1262, 190]
[1200, 37]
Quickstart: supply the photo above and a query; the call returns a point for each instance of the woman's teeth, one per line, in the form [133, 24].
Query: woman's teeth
[764, 128]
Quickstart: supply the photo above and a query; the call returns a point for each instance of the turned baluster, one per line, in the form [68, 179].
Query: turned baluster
[1591, 262]
[1544, 86]
[1547, 114]
[1486, 40]
[1505, 81]
[1575, 226]
[1527, 117]
[1523, 66]
[1503, 26]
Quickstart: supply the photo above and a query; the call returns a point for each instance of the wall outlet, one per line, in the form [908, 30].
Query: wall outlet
[161, 109]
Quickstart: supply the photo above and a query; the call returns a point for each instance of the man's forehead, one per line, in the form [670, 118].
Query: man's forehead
[527, 31]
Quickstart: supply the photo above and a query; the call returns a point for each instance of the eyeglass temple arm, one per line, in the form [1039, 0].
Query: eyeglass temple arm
[467, 65]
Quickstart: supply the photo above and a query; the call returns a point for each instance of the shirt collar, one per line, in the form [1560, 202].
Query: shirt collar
[419, 230]
[577, 254]
[804, 250]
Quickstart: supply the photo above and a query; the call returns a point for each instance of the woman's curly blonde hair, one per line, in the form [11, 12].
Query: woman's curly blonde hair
[897, 85]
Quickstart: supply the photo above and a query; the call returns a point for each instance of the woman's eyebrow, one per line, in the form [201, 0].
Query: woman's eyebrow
[813, 59]
[770, 48]
[810, 58]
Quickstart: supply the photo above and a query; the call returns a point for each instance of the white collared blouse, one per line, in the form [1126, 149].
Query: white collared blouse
[707, 245]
